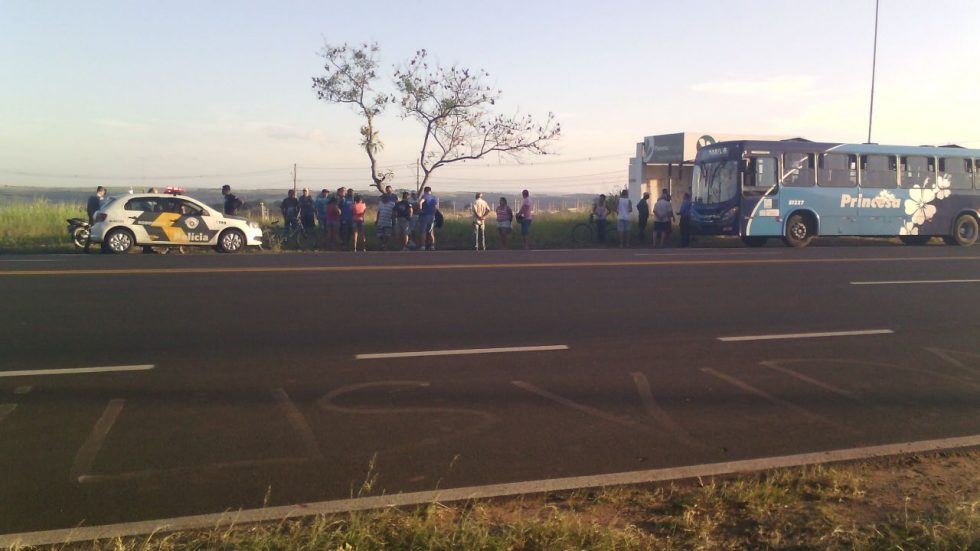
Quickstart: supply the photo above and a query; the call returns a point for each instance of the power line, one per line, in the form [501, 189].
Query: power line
[140, 177]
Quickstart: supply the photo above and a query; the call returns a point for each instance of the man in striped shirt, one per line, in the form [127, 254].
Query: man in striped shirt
[385, 220]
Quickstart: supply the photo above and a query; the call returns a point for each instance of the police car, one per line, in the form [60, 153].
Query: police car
[159, 219]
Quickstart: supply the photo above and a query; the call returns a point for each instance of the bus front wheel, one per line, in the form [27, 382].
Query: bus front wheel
[799, 233]
[965, 231]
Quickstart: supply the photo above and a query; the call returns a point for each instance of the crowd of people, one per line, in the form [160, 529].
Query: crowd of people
[663, 218]
[404, 223]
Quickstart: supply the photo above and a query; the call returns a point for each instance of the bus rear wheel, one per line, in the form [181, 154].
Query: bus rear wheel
[965, 231]
[914, 239]
[751, 241]
[799, 233]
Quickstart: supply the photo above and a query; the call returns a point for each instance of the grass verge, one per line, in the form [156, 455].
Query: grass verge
[912, 502]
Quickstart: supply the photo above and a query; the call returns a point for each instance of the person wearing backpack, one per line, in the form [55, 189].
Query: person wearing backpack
[505, 219]
[232, 203]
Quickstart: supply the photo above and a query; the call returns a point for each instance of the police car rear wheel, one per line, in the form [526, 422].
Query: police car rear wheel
[231, 241]
[118, 241]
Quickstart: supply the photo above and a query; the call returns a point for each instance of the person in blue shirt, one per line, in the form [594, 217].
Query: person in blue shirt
[685, 213]
[346, 198]
[321, 209]
[428, 204]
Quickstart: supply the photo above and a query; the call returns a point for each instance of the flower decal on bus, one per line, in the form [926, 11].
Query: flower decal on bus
[919, 204]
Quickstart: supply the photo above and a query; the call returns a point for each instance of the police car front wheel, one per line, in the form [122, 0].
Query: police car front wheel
[231, 241]
[118, 241]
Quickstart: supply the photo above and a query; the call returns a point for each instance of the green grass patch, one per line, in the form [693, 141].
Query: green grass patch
[36, 226]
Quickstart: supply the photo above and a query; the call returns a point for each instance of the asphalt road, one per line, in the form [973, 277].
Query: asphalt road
[257, 393]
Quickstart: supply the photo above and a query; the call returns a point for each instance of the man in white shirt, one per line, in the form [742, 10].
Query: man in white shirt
[663, 218]
[480, 211]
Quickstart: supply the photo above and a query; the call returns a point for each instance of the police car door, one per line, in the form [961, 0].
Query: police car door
[195, 224]
[139, 215]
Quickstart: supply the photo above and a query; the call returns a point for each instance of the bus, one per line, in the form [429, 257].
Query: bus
[797, 189]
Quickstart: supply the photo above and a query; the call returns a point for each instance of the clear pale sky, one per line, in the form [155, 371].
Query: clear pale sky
[200, 93]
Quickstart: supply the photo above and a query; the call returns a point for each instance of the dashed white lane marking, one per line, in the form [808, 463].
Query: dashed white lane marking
[6, 409]
[23, 389]
[82, 465]
[807, 335]
[459, 352]
[922, 282]
[210, 521]
[75, 371]
[807, 379]
[659, 414]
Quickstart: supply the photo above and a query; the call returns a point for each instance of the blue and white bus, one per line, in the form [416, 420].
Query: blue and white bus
[796, 189]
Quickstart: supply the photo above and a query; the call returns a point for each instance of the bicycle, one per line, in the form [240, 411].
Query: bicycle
[299, 237]
[584, 233]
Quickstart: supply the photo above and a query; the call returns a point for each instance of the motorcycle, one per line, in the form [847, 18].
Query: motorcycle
[79, 231]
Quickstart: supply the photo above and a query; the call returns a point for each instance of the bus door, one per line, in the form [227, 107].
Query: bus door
[760, 197]
[879, 210]
[837, 201]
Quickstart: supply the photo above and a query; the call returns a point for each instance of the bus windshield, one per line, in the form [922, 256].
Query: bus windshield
[715, 182]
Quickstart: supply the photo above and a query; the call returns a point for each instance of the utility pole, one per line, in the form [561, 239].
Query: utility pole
[294, 177]
[874, 60]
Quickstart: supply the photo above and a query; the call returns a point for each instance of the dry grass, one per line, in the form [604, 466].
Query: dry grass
[924, 502]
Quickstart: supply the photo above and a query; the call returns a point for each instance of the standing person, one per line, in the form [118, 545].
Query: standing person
[599, 213]
[384, 221]
[416, 217]
[321, 209]
[307, 209]
[403, 219]
[290, 211]
[428, 204]
[357, 222]
[505, 217]
[663, 218]
[333, 220]
[346, 215]
[624, 210]
[480, 211]
[643, 213]
[94, 203]
[685, 214]
[231, 202]
[525, 215]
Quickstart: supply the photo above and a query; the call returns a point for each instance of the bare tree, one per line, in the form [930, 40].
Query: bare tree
[350, 73]
[454, 105]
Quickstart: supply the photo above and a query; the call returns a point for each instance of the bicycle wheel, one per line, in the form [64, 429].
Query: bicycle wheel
[305, 239]
[582, 234]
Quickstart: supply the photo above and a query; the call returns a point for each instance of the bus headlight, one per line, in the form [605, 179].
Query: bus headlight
[730, 214]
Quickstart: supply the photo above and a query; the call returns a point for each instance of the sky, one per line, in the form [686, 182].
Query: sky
[201, 93]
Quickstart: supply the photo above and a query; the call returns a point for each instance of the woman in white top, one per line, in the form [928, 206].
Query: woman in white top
[624, 210]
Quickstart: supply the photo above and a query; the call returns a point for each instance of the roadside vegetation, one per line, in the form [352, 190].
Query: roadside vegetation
[37, 226]
[907, 503]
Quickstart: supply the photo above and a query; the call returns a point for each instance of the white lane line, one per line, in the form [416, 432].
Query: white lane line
[774, 365]
[923, 281]
[75, 371]
[82, 465]
[23, 389]
[6, 409]
[299, 510]
[807, 335]
[298, 422]
[459, 352]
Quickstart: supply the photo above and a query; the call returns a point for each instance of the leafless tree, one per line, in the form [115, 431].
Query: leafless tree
[350, 72]
[455, 106]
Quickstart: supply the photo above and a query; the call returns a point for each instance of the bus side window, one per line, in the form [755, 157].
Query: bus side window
[798, 170]
[958, 171]
[879, 171]
[837, 170]
[918, 172]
